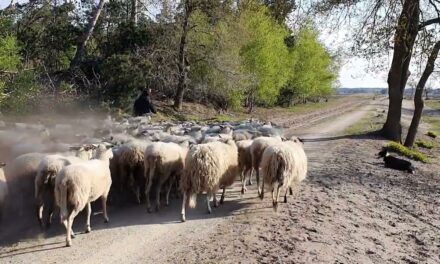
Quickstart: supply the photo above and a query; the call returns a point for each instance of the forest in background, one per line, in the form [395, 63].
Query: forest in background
[223, 53]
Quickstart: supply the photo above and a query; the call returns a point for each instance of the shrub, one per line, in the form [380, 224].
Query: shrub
[409, 153]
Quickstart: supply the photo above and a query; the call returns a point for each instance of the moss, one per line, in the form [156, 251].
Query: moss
[409, 153]
[425, 144]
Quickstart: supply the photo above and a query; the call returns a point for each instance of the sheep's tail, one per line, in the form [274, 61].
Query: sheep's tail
[192, 200]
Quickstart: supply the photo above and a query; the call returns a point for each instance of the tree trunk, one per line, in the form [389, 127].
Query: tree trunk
[87, 34]
[418, 98]
[183, 63]
[404, 38]
[134, 12]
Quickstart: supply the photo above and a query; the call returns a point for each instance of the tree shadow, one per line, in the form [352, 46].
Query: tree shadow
[375, 135]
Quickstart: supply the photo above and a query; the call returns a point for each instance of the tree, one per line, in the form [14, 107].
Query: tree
[87, 34]
[378, 23]
[280, 9]
[418, 98]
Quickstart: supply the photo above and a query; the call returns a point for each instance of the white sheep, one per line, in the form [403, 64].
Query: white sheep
[3, 189]
[208, 167]
[48, 169]
[163, 162]
[283, 165]
[257, 148]
[244, 162]
[79, 184]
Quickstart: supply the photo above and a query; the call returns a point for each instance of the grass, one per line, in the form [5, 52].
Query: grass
[369, 123]
[434, 104]
[409, 153]
[425, 144]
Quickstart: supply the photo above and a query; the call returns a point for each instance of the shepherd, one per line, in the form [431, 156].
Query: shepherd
[143, 105]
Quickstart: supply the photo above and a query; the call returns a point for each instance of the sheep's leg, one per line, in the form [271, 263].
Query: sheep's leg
[39, 210]
[290, 191]
[183, 207]
[69, 230]
[214, 194]
[158, 188]
[258, 182]
[222, 199]
[170, 185]
[51, 206]
[104, 209]
[148, 184]
[250, 171]
[208, 199]
[275, 197]
[285, 195]
[243, 182]
[262, 191]
[89, 213]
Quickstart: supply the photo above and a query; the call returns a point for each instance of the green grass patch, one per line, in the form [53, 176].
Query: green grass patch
[434, 104]
[409, 153]
[369, 123]
[431, 134]
[425, 144]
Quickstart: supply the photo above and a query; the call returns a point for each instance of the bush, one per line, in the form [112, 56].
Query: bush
[425, 144]
[21, 94]
[409, 153]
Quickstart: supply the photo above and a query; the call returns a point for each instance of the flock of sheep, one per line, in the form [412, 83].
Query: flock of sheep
[66, 167]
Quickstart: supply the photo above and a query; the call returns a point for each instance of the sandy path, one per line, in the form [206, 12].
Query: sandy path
[344, 213]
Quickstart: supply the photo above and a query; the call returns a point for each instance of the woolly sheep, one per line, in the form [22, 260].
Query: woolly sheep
[283, 166]
[48, 169]
[3, 189]
[79, 184]
[257, 148]
[163, 162]
[244, 162]
[208, 167]
[131, 166]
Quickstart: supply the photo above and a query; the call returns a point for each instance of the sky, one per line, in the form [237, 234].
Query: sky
[354, 71]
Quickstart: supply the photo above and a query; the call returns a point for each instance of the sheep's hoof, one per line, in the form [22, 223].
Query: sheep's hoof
[243, 190]
[149, 210]
[209, 211]
[106, 220]
[183, 219]
[249, 182]
[222, 200]
[157, 208]
[261, 196]
[68, 244]
[88, 229]
[290, 191]
[285, 199]
[72, 235]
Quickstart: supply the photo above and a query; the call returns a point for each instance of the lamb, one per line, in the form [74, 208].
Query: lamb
[79, 184]
[257, 148]
[3, 189]
[208, 167]
[244, 162]
[284, 165]
[48, 168]
[163, 162]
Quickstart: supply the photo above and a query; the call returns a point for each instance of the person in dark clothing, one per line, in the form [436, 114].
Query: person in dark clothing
[143, 105]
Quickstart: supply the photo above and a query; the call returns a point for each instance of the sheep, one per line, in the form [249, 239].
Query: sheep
[208, 167]
[79, 184]
[257, 148]
[20, 175]
[163, 162]
[3, 189]
[244, 162]
[283, 165]
[48, 168]
[131, 166]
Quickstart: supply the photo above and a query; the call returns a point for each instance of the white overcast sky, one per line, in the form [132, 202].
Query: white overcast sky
[353, 73]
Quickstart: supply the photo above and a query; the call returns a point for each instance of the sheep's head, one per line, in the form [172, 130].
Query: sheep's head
[103, 151]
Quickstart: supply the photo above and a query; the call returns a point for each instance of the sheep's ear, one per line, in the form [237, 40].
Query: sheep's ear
[283, 138]
[75, 148]
[184, 144]
[2, 164]
[109, 146]
[301, 140]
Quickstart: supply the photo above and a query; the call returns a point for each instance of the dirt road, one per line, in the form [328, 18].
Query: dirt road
[349, 210]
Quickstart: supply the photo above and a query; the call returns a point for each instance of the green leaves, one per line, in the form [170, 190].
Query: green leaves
[9, 54]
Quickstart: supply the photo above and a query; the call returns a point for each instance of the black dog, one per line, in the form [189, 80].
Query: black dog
[396, 163]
